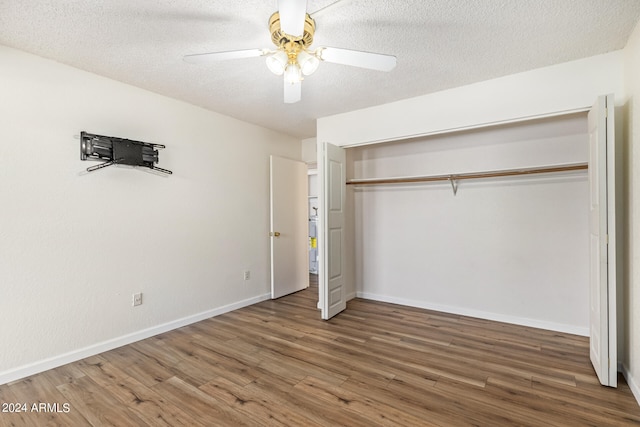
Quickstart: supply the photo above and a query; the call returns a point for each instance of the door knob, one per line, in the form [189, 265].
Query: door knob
[275, 233]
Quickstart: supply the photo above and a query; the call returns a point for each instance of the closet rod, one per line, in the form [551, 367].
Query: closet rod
[471, 175]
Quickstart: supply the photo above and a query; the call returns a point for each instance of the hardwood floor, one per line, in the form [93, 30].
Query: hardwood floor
[277, 363]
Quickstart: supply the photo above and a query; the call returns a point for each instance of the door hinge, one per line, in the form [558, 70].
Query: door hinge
[606, 112]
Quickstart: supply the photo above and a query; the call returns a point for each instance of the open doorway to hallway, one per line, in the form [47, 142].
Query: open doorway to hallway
[313, 225]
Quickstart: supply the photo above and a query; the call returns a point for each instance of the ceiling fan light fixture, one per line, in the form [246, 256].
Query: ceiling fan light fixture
[277, 62]
[292, 74]
[308, 63]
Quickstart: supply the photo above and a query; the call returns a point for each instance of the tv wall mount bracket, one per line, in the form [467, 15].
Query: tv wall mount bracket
[119, 151]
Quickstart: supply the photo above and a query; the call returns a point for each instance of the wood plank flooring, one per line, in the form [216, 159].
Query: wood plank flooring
[276, 363]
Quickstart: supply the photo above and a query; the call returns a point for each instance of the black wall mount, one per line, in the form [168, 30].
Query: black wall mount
[118, 151]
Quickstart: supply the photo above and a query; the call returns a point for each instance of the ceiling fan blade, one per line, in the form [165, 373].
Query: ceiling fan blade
[292, 92]
[292, 15]
[356, 58]
[207, 58]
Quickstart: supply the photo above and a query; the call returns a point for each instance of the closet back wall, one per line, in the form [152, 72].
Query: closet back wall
[511, 249]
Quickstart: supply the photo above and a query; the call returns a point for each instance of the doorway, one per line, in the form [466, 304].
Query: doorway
[312, 182]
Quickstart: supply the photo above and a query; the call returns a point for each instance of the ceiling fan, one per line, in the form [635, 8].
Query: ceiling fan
[292, 30]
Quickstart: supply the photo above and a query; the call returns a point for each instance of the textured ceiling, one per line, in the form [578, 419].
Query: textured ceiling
[439, 44]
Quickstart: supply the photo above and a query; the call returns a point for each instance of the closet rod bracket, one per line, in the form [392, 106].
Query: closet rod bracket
[454, 184]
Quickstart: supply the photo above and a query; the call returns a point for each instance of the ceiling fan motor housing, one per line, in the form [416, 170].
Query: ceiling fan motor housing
[280, 39]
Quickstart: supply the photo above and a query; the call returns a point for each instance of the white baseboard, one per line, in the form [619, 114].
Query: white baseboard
[631, 381]
[523, 321]
[92, 350]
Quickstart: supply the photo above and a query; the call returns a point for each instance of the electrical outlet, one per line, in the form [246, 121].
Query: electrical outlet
[247, 275]
[137, 299]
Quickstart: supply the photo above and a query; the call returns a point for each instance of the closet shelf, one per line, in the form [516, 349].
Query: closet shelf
[471, 175]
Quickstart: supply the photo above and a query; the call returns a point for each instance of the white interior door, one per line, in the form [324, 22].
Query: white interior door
[331, 239]
[602, 314]
[289, 227]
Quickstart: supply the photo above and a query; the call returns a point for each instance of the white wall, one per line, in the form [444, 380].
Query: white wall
[309, 151]
[631, 252]
[511, 249]
[74, 247]
[561, 87]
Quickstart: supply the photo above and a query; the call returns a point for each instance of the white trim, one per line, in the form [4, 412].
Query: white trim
[470, 127]
[522, 321]
[633, 385]
[72, 356]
